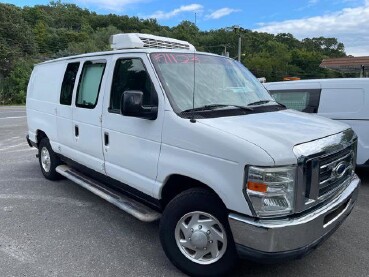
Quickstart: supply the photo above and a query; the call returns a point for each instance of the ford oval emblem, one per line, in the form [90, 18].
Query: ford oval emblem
[340, 169]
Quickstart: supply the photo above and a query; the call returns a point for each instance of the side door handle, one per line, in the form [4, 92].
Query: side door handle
[76, 131]
[106, 139]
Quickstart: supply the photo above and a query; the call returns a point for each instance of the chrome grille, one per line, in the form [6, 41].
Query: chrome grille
[325, 167]
[334, 169]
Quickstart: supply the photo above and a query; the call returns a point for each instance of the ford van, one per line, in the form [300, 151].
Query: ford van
[194, 140]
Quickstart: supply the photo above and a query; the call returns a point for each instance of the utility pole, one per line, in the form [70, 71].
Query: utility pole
[362, 71]
[238, 29]
[239, 48]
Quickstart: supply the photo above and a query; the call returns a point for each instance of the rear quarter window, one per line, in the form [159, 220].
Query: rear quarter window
[303, 100]
[69, 81]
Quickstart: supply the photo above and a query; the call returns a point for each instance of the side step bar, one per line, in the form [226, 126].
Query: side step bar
[134, 208]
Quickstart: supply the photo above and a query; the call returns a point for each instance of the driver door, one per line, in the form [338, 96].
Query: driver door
[132, 144]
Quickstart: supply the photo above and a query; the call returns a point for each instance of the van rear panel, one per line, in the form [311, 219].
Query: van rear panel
[342, 103]
[42, 98]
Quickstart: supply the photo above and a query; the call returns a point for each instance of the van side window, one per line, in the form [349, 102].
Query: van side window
[303, 100]
[89, 84]
[131, 74]
[66, 92]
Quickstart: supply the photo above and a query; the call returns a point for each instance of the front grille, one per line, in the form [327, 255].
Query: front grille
[335, 169]
[325, 168]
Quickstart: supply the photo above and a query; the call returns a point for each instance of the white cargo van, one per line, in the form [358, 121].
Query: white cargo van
[346, 100]
[195, 140]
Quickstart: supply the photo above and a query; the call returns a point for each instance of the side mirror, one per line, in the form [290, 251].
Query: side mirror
[131, 105]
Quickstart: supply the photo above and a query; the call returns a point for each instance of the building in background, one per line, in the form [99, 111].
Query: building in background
[355, 65]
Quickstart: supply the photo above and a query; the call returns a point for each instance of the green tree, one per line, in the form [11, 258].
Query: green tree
[33, 34]
[16, 38]
[289, 40]
[41, 36]
[186, 30]
[273, 62]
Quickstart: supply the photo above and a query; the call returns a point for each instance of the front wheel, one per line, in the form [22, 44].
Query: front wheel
[195, 234]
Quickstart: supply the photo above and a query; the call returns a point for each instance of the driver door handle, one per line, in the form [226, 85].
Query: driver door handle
[106, 139]
[76, 131]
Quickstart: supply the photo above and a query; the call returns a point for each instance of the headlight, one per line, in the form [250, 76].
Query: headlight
[271, 190]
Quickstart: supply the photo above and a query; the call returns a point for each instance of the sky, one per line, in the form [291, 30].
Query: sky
[347, 20]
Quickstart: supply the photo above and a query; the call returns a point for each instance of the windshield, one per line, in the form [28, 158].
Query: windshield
[218, 81]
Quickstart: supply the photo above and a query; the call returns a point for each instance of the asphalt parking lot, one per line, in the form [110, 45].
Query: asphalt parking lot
[59, 229]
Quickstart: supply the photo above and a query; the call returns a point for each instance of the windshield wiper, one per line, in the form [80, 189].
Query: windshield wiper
[216, 106]
[260, 102]
[264, 102]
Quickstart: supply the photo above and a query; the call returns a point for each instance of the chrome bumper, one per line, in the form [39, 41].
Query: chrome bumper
[268, 238]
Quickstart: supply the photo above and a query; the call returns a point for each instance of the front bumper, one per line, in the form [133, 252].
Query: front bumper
[273, 240]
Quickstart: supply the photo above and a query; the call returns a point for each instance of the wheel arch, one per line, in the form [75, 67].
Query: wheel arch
[177, 183]
[39, 136]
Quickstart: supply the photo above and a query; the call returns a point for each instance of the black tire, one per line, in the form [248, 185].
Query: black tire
[192, 200]
[51, 174]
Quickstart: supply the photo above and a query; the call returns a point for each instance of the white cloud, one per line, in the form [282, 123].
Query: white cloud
[348, 25]
[221, 12]
[173, 13]
[114, 5]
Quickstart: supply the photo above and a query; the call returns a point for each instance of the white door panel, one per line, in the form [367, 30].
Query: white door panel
[132, 154]
[134, 143]
[65, 107]
[65, 126]
[88, 142]
[361, 128]
[87, 145]
[342, 103]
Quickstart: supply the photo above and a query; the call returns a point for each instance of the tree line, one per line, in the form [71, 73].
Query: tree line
[31, 35]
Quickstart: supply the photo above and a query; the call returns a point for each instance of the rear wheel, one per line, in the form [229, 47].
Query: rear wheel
[195, 234]
[48, 160]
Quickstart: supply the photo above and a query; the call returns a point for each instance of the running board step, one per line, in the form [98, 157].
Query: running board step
[134, 208]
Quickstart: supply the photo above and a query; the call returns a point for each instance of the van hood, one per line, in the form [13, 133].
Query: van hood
[277, 132]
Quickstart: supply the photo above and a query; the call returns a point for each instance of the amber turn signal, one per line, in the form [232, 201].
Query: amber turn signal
[259, 187]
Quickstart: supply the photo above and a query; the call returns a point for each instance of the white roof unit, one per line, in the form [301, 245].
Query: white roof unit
[136, 40]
